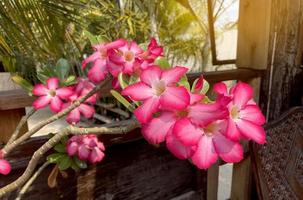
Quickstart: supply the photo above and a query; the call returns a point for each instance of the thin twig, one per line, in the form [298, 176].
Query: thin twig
[102, 118]
[127, 126]
[115, 110]
[20, 125]
[31, 180]
[55, 117]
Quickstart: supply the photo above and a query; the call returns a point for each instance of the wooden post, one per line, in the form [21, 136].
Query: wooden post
[252, 52]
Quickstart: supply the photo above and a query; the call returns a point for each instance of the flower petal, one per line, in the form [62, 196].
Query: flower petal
[86, 110]
[177, 148]
[134, 47]
[41, 102]
[232, 131]
[56, 104]
[186, 132]
[83, 152]
[138, 91]
[115, 44]
[174, 98]
[73, 116]
[242, 94]
[195, 98]
[253, 114]
[173, 75]
[96, 155]
[228, 150]
[251, 131]
[52, 83]
[72, 148]
[156, 130]
[151, 75]
[205, 155]
[96, 55]
[220, 88]
[64, 92]
[40, 90]
[145, 112]
[98, 71]
[114, 68]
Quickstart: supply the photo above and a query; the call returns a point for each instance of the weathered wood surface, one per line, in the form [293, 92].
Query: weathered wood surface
[131, 170]
[278, 165]
[286, 35]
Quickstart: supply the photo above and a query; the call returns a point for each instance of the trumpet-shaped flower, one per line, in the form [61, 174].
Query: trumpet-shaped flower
[245, 118]
[158, 88]
[100, 60]
[153, 51]
[83, 87]
[86, 147]
[5, 167]
[210, 142]
[51, 94]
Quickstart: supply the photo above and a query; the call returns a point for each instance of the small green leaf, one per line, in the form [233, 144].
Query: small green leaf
[205, 87]
[65, 162]
[23, 83]
[62, 68]
[55, 157]
[122, 100]
[75, 167]
[184, 82]
[121, 78]
[92, 38]
[60, 148]
[42, 78]
[80, 163]
[71, 80]
[162, 62]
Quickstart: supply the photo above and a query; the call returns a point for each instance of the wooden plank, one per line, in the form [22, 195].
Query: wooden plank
[14, 99]
[212, 182]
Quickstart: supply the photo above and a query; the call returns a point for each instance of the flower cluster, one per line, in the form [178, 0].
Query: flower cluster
[86, 147]
[192, 127]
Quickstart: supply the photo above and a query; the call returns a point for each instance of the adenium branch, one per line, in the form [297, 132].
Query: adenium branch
[7, 149]
[119, 128]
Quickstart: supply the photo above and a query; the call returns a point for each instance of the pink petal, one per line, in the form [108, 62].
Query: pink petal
[251, 131]
[173, 75]
[128, 68]
[115, 44]
[175, 98]
[232, 131]
[52, 83]
[40, 90]
[98, 71]
[220, 88]
[177, 148]
[96, 155]
[205, 154]
[86, 110]
[73, 116]
[199, 84]
[83, 152]
[135, 48]
[41, 102]
[195, 98]
[114, 68]
[204, 114]
[64, 92]
[253, 114]
[228, 150]
[5, 167]
[72, 148]
[56, 104]
[156, 130]
[138, 91]
[186, 132]
[145, 112]
[91, 58]
[242, 94]
[151, 75]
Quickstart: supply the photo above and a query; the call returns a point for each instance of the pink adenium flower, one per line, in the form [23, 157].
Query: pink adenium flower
[5, 167]
[85, 109]
[153, 51]
[245, 118]
[83, 87]
[86, 147]
[51, 94]
[126, 56]
[158, 88]
[210, 142]
[100, 60]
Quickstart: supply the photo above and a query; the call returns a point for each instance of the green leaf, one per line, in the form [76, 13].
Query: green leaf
[122, 100]
[65, 162]
[205, 88]
[42, 78]
[80, 163]
[60, 148]
[92, 38]
[162, 62]
[75, 167]
[121, 78]
[62, 68]
[184, 82]
[23, 83]
[71, 80]
[55, 157]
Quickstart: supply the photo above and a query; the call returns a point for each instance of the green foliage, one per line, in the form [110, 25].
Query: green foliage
[122, 100]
